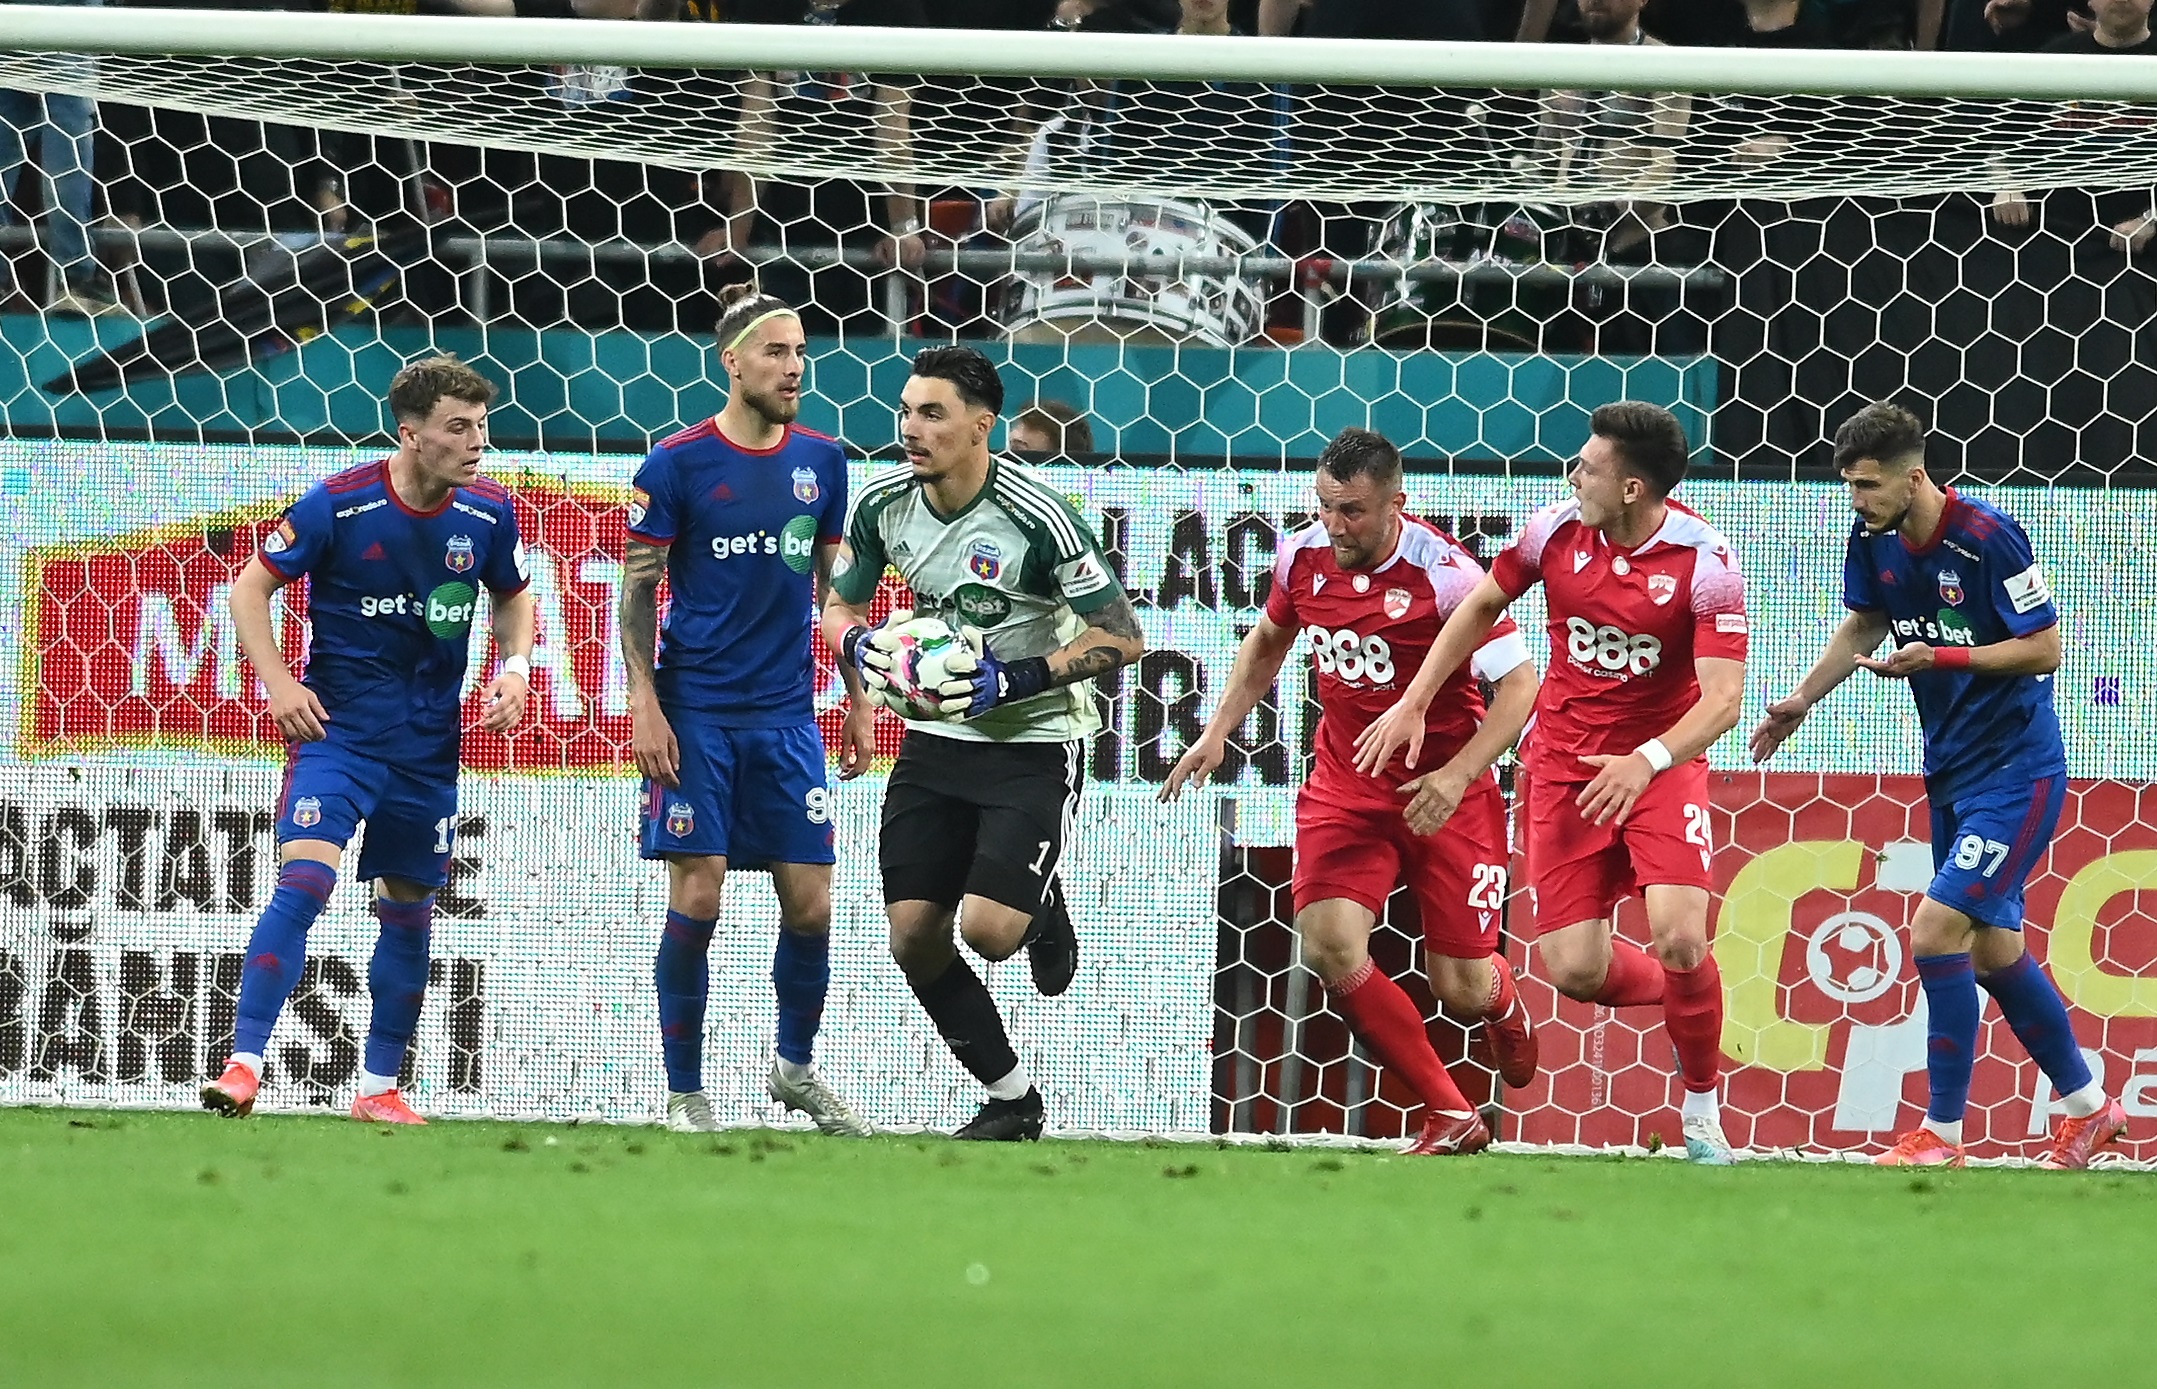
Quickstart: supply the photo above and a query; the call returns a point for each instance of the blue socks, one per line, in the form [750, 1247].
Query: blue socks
[800, 974]
[2034, 1009]
[277, 951]
[1950, 984]
[397, 977]
[684, 979]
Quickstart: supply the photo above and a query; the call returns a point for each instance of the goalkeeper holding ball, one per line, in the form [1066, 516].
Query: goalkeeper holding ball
[987, 784]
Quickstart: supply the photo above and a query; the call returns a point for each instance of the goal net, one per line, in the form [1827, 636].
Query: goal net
[1195, 259]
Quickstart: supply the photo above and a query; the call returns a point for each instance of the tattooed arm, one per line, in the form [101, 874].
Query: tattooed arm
[1112, 639]
[652, 743]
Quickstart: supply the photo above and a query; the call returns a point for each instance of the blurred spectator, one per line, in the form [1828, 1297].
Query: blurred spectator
[368, 179]
[1162, 135]
[2005, 25]
[1615, 138]
[1758, 23]
[809, 105]
[63, 129]
[1051, 427]
[1115, 16]
[2128, 216]
[2120, 26]
[1460, 20]
[1170, 133]
[1781, 24]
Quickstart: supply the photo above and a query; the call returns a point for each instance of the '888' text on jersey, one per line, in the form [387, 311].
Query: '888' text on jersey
[1369, 630]
[1625, 627]
[1018, 562]
[392, 594]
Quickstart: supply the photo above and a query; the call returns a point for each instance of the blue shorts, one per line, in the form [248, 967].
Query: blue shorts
[752, 796]
[1986, 845]
[411, 818]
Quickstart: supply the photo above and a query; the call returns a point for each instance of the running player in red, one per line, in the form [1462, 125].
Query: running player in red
[1369, 585]
[1647, 667]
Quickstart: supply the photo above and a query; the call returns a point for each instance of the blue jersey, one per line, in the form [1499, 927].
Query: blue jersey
[1973, 584]
[741, 527]
[391, 594]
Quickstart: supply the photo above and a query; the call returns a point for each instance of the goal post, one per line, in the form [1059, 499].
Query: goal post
[1216, 253]
[1367, 119]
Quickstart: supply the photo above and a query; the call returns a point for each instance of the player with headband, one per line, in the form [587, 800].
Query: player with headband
[738, 513]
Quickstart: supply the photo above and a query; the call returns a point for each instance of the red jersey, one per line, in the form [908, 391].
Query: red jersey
[1625, 629]
[1369, 631]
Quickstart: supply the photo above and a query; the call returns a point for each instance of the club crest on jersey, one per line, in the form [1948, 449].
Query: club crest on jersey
[1397, 601]
[640, 505]
[1662, 588]
[1950, 588]
[307, 812]
[805, 485]
[279, 540]
[458, 556]
[680, 819]
[985, 561]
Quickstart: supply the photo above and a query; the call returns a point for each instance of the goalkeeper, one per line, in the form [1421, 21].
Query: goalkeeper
[735, 513]
[982, 798]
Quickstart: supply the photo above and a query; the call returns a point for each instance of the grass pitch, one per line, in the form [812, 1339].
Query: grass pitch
[153, 1249]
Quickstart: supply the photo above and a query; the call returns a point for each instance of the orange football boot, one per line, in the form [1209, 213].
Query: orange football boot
[1921, 1147]
[386, 1108]
[2079, 1139]
[232, 1094]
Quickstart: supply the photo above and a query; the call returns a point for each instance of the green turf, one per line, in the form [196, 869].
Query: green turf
[149, 1249]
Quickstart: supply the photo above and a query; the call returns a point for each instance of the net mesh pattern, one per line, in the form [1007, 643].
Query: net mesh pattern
[1214, 278]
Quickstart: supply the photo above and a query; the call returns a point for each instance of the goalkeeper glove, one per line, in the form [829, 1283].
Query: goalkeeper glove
[994, 681]
[871, 650]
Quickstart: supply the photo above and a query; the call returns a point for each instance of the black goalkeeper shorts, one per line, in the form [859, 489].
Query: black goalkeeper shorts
[982, 819]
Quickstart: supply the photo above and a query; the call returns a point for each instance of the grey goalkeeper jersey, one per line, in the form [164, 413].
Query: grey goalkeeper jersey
[1018, 562]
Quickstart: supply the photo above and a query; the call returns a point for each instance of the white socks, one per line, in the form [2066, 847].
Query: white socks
[1701, 1104]
[2084, 1102]
[372, 1084]
[1951, 1131]
[253, 1061]
[1011, 1087]
[792, 1072]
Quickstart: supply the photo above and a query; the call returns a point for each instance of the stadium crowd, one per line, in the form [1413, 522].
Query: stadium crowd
[123, 167]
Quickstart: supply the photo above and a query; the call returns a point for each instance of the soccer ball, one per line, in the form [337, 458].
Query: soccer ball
[929, 664]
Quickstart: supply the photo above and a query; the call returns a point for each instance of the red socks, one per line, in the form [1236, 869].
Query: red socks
[1502, 989]
[1635, 979]
[1693, 1016]
[1382, 1015]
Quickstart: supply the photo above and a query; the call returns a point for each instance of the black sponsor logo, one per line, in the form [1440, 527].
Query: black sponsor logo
[166, 1015]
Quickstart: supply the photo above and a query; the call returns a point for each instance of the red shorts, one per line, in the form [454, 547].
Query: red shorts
[1362, 853]
[1580, 871]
